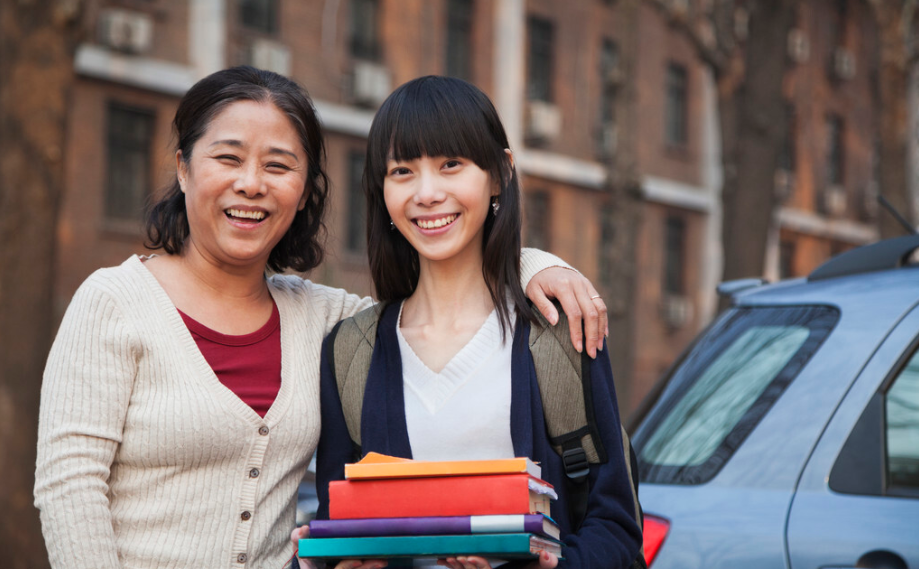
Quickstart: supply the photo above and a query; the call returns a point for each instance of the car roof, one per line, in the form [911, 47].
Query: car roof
[876, 281]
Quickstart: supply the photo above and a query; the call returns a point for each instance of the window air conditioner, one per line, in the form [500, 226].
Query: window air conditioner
[126, 31]
[543, 122]
[268, 54]
[370, 83]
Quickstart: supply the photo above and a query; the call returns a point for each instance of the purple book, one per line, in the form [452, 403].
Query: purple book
[444, 525]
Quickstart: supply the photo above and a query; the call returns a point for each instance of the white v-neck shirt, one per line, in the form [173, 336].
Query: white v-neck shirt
[463, 412]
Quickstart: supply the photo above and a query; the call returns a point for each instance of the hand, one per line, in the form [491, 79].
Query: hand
[464, 562]
[546, 561]
[303, 532]
[579, 299]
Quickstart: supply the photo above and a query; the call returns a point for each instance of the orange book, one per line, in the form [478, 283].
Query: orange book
[439, 496]
[376, 465]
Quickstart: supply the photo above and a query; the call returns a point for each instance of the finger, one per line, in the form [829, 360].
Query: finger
[566, 296]
[596, 320]
[538, 297]
[547, 560]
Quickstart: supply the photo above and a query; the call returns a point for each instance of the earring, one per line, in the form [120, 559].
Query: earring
[495, 206]
[392, 226]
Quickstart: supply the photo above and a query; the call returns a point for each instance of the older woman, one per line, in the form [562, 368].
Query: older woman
[180, 403]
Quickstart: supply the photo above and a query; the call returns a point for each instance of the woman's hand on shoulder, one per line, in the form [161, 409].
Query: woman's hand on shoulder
[303, 532]
[580, 301]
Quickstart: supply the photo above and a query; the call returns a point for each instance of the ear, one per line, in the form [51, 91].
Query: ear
[496, 191]
[302, 204]
[181, 170]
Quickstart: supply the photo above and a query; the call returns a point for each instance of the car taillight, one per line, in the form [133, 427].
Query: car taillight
[654, 531]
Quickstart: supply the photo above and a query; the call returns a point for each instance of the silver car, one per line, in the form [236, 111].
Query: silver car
[787, 435]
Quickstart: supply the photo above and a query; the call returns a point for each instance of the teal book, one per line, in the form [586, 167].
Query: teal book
[500, 545]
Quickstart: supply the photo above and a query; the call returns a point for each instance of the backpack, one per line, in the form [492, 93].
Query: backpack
[564, 381]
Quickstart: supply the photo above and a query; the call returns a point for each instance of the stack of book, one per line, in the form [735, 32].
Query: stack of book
[393, 508]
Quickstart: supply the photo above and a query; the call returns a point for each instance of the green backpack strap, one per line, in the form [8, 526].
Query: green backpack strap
[352, 350]
[565, 387]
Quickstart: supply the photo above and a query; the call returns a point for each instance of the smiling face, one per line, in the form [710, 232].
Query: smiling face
[440, 205]
[243, 185]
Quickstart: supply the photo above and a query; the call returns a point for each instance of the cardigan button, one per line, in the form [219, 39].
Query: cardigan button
[245, 515]
[241, 558]
[263, 431]
[254, 473]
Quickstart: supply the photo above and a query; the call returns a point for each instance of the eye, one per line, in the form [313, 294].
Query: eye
[399, 171]
[278, 167]
[452, 163]
[228, 158]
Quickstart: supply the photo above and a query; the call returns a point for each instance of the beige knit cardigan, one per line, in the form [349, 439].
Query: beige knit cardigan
[146, 460]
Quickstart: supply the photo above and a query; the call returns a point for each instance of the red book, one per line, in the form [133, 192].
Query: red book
[440, 496]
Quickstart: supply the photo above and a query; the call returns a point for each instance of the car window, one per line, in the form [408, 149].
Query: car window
[724, 386]
[881, 454]
[902, 410]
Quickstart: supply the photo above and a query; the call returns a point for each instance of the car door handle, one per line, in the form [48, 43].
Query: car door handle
[877, 559]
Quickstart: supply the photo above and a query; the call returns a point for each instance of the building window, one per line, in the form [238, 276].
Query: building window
[789, 149]
[259, 15]
[537, 218]
[607, 235]
[365, 38]
[674, 255]
[356, 240]
[786, 259]
[459, 38]
[835, 158]
[675, 114]
[609, 85]
[130, 133]
[609, 79]
[539, 60]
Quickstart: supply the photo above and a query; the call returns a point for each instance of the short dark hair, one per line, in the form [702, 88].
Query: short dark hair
[443, 116]
[301, 248]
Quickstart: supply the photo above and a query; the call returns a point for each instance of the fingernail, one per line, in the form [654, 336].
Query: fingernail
[580, 346]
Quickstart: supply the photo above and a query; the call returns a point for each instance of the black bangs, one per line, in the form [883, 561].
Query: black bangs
[437, 116]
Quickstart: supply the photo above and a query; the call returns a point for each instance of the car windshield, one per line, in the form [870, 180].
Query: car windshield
[724, 386]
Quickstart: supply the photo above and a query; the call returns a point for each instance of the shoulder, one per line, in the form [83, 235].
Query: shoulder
[125, 282]
[298, 290]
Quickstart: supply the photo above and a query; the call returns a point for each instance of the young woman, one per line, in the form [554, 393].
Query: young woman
[180, 403]
[451, 375]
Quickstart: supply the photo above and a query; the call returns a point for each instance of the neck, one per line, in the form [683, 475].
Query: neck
[452, 290]
[240, 283]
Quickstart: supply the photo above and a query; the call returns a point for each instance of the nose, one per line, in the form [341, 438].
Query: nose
[249, 181]
[429, 190]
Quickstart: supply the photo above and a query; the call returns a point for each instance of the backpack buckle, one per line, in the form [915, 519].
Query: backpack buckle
[575, 461]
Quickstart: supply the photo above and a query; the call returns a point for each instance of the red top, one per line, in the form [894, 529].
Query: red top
[249, 365]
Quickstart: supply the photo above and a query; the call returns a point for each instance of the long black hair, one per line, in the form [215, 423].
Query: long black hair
[301, 247]
[443, 116]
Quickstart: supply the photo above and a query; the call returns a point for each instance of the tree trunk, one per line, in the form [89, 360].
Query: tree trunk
[752, 112]
[36, 71]
[624, 210]
[893, 116]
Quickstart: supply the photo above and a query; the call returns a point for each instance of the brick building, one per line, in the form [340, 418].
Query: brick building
[576, 83]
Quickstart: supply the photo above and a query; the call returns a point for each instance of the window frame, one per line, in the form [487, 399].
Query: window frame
[115, 153]
[356, 213]
[861, 467]
[458, 44]
[271, 26]
[364, 46]
[676, 105]
[540, 59]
